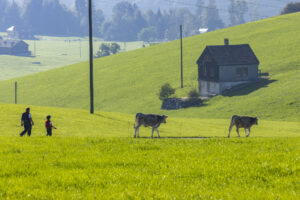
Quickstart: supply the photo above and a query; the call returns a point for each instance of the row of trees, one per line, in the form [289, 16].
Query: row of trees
[49, 17]
[128, 22]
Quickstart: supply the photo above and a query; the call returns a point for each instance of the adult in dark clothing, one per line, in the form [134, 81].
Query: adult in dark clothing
[27, 122]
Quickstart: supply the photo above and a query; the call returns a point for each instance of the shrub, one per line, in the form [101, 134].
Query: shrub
[291, 8]
[194, 93]
[166, 91]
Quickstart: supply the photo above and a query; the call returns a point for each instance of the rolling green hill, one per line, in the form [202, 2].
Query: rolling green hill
[129, 82]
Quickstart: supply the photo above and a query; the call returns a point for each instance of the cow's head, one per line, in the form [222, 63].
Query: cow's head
[164, 117]
[255, 120]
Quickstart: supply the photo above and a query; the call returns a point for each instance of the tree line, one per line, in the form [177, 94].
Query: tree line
[128, 21]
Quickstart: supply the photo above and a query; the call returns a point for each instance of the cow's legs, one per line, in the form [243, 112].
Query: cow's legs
[157, 132]
[237, 131]
[152, 132]
[245, 132]
[137, 131]
[230, 127]
[248, 133]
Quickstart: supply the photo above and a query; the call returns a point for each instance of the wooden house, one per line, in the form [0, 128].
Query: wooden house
[224, 66]
[14, 47]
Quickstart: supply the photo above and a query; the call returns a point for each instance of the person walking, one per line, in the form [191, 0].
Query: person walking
[27, 122]
[49, 126]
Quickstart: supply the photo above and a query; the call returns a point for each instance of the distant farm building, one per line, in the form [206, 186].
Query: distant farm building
[14, 47]
[17, 32]
[224, 66]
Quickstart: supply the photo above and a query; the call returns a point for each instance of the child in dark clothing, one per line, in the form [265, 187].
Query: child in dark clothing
[49, 126]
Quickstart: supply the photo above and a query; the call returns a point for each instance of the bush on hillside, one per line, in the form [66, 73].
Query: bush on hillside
[107, 49]
[291, 8]
[166, 91]
[194, 93]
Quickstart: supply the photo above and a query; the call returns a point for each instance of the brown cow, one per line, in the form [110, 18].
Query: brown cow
[242, 122]
[148, 120]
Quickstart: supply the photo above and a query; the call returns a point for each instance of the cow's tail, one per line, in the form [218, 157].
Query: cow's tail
[231, 124]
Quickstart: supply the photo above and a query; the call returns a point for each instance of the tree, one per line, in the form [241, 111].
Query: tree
[107, 49]
[148, 34]
[114, 48]
[47, 17]
[199, 12]
[33, 15]
[11, 15]
[237, 10]
[104, 50]
[126, 23]
[291, 8]
[166, 91]
[212, 19]
[3, 5]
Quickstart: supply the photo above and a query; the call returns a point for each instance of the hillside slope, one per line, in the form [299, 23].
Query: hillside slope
[129, 82]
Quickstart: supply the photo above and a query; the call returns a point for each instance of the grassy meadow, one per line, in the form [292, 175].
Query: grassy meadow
[129, 82]
[95, 157]
[52, 52]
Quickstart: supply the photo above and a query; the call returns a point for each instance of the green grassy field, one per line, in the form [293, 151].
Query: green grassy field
[129, 82]
[50, 53]
[95, 157]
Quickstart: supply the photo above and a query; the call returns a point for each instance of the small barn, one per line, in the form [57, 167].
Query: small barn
[14, 47]
[224, 66]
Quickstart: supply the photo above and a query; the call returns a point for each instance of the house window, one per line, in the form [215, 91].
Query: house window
[212, 72]
[204, 72]
[242, 72]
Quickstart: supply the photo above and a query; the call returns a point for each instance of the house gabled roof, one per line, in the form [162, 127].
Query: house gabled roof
[232, 55]
[10, 43]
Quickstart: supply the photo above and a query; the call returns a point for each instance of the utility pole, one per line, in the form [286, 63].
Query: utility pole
[16, 92]
[181, 56]
[91, 59]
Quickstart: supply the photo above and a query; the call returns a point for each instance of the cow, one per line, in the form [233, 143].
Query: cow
[148, 120]
[242, 122]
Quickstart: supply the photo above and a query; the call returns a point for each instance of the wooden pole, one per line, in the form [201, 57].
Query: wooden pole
[91, 58]
[181, 56]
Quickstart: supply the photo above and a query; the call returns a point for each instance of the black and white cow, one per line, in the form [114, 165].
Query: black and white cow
[148, 120]
[242, 122]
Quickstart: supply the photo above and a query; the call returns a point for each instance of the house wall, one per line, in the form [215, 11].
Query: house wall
[207, 88]
[20, 48]
[229, 73]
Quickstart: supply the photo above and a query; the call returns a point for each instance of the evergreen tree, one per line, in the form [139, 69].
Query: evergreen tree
[126, 23]
[199, 12]
[212, 19]
[12, 15]
[291, 8]
[237, 10]
[33, 15]
[3, 6]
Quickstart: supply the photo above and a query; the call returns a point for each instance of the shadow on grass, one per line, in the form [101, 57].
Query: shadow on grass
[248, 88]
[173, 137]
